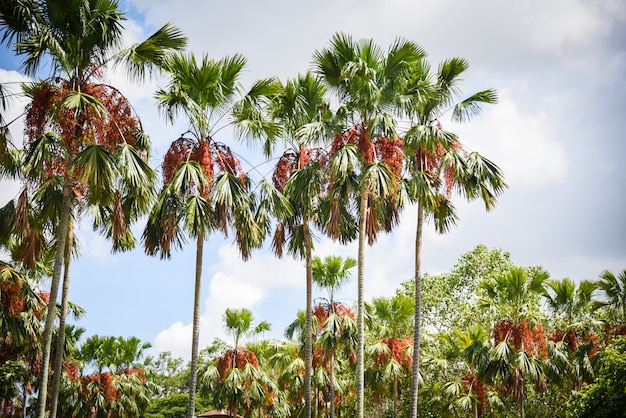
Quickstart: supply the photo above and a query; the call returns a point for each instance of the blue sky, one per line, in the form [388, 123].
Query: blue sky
[559, 68]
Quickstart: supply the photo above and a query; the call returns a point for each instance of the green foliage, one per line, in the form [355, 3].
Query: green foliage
[606, 396]
[173, 406]
[11, 375]
[449, 299]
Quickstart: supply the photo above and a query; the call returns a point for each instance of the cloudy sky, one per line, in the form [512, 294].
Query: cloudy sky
[560, 70]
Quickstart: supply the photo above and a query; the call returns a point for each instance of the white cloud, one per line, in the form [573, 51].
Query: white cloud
[231, 283]
[523, 144]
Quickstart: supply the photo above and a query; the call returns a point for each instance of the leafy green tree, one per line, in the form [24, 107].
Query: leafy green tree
[605, 397]
[438, 165]
[167, 373]
[366, 151]
[468, 351]
[449, 299]
[78, 40]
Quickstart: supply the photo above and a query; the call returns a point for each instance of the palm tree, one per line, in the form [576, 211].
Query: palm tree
[519, 338]
[438, 164]
[205, 188]
[300, 174]
[613, 289]
[569, 301]
[470, 348]
[331, 274]
[117, 387]
[236, 378]
[88, 132]
[573, 345]
[366, 82]
[390, 320]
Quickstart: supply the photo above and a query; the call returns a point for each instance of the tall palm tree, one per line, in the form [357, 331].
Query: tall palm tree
[331, 274]
[437, 163]
[366, 153]
[300, 174]
[205, 188]
[78, 40]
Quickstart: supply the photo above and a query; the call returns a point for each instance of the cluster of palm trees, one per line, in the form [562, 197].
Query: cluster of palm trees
[359, 139]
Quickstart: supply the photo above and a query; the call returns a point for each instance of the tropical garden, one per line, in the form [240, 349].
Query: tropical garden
[352, 144]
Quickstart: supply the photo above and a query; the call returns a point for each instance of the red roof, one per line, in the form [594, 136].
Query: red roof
[218, 413]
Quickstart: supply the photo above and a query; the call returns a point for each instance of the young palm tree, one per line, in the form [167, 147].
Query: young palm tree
[519, 340]
[438, 164]
[79, 39]
[390, 320]
[236, 379]
[331, 274]
[205, 188]
[573, 345]
[613, 288]
[366, 155]
[469, 350]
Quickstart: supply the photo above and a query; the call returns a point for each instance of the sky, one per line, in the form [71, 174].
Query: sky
[559, 67]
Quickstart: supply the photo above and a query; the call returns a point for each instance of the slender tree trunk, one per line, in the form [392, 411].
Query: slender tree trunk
[66, 208]
[522, 412]
[418, 311]
[191, 407]
[60, 349]
[395, 397]
[332, 382]
[308, 326]
[360, 354]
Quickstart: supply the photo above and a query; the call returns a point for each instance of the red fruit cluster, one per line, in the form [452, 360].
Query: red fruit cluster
[99, 382]
[11, 296]
[322, 311]
[474, 385]
[390, 151]
[240, 357]
[178, 152]
[530, 340]
[570, 338]
[397, 351]
[77, 130]
[291, 160]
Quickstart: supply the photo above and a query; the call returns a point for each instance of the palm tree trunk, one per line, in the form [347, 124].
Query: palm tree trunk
[418, 311]
[308, 326]
[522, 412]
[395, 397]
[360, 354]
[332, 381]
[66, 209]
[191, 407]
[60, 349]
